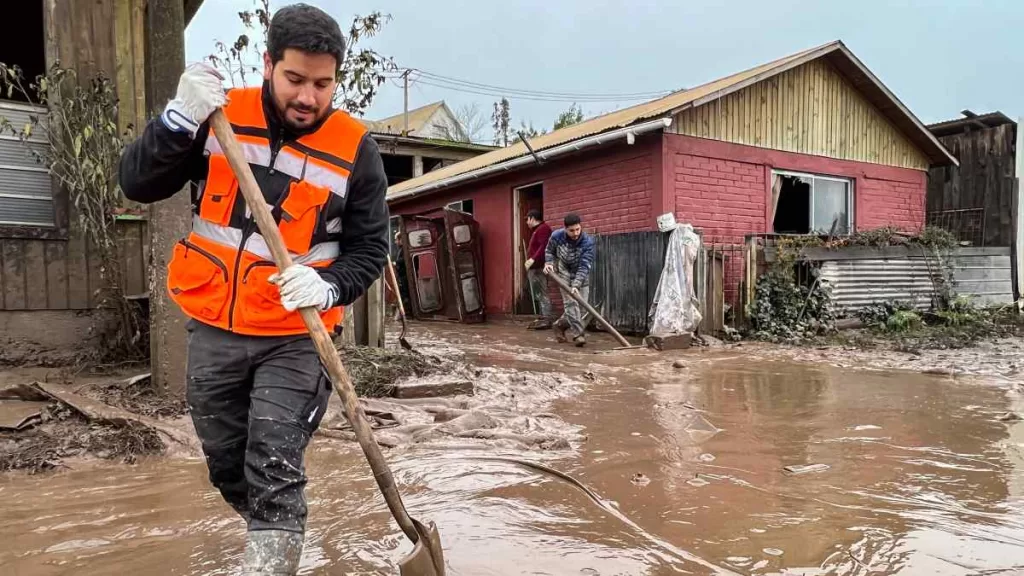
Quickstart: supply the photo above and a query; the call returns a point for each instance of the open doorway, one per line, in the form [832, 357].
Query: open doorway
[525, 198]
[811, 204]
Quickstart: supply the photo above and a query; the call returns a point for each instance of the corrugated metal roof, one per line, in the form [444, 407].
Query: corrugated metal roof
[846, 62]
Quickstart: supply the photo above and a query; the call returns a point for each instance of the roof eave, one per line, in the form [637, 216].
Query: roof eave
[935, 151]
[526, 158]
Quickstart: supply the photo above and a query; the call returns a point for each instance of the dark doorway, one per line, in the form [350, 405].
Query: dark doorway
[526, 198]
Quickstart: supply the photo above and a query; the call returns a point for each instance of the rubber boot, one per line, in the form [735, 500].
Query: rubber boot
[272, 553]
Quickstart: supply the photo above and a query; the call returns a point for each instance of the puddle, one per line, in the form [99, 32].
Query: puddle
[920, 478]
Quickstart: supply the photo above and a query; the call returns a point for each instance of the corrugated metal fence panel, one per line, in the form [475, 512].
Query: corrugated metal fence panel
[625, 277]
[980, 273]
[859, 283]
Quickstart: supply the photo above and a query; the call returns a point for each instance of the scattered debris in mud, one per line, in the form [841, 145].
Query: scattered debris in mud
[64, 433]
[43, 424]
[137, 395]
[374, 371]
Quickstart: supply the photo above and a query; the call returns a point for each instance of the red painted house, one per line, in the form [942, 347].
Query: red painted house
[812, 142]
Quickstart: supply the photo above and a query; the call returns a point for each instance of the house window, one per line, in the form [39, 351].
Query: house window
[461, 206]
[811, 204]
[26, 194]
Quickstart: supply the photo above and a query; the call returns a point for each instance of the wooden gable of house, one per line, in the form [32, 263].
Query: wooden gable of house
[809, 109]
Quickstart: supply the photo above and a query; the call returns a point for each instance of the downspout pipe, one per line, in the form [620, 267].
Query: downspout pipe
[629, 132]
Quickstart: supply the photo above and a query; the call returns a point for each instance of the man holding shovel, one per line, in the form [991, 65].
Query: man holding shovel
[256, 388]
[570, 254]
[535, 265]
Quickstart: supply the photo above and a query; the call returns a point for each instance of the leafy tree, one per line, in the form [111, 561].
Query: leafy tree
[574, 115]
[528, 131]
[501, 122]
[360, 75]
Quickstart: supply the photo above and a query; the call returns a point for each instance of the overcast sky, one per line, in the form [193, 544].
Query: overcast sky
[937, 57]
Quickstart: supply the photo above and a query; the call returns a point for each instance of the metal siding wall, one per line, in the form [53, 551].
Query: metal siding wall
[811, 109]
[982, 274]
[625, 277]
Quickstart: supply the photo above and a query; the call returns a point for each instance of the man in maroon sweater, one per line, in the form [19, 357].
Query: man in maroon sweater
[535, 267]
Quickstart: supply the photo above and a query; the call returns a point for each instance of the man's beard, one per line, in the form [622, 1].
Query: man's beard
[313, 111]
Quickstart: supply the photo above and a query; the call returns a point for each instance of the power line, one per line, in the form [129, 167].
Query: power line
[497, 93]
[469, 87]
[478, 85]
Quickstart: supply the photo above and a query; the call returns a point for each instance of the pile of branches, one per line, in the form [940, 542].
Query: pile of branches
[374, 371]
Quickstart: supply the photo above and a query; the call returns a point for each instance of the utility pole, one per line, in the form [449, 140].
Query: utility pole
[405, 78]
[170, 219]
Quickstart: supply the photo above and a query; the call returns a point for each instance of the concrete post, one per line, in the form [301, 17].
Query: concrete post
[168, 220]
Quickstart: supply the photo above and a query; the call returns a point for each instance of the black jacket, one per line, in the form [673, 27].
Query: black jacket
[161, 162]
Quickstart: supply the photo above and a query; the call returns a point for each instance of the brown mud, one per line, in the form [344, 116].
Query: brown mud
[732, 460]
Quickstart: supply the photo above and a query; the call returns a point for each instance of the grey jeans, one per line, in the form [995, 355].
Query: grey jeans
[539, 286]
[573, 312]
[255, 401]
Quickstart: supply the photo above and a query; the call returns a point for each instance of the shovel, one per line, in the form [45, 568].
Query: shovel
[586, 306]
[401, 307]
[426, 558]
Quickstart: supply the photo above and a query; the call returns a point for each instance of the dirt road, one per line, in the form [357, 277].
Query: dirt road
[918, 474]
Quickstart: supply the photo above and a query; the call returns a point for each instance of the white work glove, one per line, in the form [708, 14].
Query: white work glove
[575, 291]
[549, 268]
[303, 287]
[200, 93]
[529, 262]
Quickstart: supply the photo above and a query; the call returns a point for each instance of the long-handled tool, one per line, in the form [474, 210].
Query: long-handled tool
[586, 306]
[426, 557]
[401, 307]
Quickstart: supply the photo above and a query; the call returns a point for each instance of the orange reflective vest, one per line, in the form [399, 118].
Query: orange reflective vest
[218, 273]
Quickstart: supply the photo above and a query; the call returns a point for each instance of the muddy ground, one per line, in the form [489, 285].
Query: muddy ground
[734, 459]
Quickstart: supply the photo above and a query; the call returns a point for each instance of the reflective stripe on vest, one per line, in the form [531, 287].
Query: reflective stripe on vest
[218, 274]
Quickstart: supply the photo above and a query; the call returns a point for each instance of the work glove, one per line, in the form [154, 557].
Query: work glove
[549, 268]
[200, 93]
[575, 291]
[529, 263]
[303, 287]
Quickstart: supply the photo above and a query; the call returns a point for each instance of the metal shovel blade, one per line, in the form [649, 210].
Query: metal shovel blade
[426, 557]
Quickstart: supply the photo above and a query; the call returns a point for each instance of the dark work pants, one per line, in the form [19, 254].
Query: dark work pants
[255, 402]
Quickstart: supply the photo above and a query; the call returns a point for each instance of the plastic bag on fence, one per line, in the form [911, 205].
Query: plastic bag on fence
[674, 310]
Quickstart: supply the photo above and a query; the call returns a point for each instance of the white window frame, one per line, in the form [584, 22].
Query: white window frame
[850, 203]
[38, 137]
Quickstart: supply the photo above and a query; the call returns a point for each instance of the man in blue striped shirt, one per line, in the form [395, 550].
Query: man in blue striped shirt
[570, 254]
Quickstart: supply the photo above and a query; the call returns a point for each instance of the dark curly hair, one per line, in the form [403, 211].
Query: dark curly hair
[306, 28]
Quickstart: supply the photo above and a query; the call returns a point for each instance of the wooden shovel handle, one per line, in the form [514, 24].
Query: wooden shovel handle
[321, 338]
[586, 305]
[394, 286]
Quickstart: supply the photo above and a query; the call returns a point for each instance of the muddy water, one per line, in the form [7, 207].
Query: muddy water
[922, 478]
